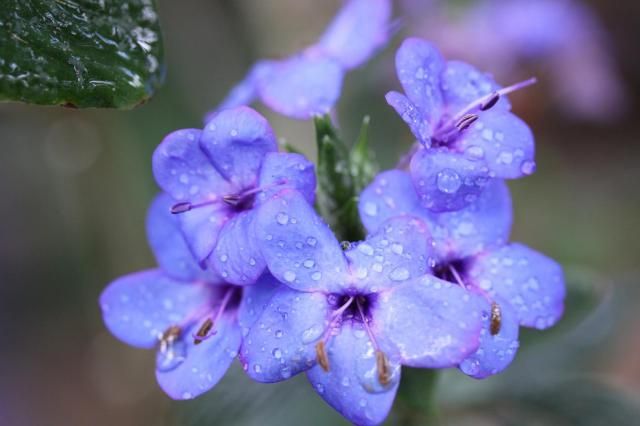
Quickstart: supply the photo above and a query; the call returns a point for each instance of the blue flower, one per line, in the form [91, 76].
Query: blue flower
[471, 250]
[463, 122]
[218, 178]
[352, 318]
[309, 83]
[190, 316]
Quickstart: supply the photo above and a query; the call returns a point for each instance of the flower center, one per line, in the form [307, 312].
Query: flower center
[451, 127]
[237, 202]
[353, 308]
[172, 348]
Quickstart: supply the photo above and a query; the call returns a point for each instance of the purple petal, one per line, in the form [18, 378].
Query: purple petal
[484, 223]
[411, 115]
[255, 299]
[237, 257]
[169, 245]
[501, 140]
[302, 86]
[531, 282]
[299, 248]
[351, 385]
[282, 341]
[287, 169]
[137, 308]
[463, 84]
[496, 351]
[183, 170]
[447, 181]
[200, 227]
[204, 364]
[399, 251]
[359, 29]
[236, 141]
[429, 322]
[419, 65]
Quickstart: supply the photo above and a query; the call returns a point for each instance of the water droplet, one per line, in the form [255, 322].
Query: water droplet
[312, 241]
[311, 334]
[365, 249]
[187, 395]
[257, 368]
[282, 218]
[345, 381]
[309, 263]
[397, 248]
[475, 151]
[399, 274]
[279, 334]
[184, 179]
[528, 167]
[223, 258]
[277, 353]
[316, 276]
[172, 357]
[370, 209]
[289, 276]
[505, 157]
[252, 262]
[448, 181]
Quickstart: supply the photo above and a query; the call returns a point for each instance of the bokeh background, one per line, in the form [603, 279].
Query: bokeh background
[75, 186]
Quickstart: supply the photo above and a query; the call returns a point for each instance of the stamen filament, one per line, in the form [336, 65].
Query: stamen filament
[207, 329]
[382, 362]
[321, 355]
[457, 276]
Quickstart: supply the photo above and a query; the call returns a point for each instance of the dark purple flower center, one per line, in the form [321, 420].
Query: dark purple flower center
[453, 271]
[353, 307]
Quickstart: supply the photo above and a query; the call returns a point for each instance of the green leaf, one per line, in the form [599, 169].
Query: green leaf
[362, 164]
[342, 175]
[80, 53]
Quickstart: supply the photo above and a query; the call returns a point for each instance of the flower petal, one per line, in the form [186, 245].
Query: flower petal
[411, 115]
[237, 257]
[236, 141]
[359, 29]
[282, 341]
[302, 86]
[289, 169]
[419, 65]
[531, 282]
[201, 226]
[169, 245]
[183, 170]
[351, 385]
[399, 251]
[204, 364]
[496, 351]
[429, 322]
[447, 181]
[484, 223]
[299, 248]
[255, 299]
[463, 84]
[503, 141]
[137, 308]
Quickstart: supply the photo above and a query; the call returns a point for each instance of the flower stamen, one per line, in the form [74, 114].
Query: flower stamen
[496, 319]
[321, 356]
[336, 316]
[382, 362]
[207, 329]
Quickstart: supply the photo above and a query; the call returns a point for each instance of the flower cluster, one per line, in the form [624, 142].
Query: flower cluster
[249, 270]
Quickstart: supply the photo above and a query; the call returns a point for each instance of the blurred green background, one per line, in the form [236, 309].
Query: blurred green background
[75, 186]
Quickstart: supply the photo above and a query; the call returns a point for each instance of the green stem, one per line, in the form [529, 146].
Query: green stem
[416, 397]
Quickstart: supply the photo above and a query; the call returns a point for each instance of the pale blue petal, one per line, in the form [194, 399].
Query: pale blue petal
[287, 170]
[237, 256]
[447, 181]
[204, 364]
[138, 308]
[531, 282]
[351, 385]
[503, 141]
[299, 248]
[360, 28]
[430, 323]
[302, 86]
[399, 251]
[281, 342]
[236, 141]
[169, 245]
[496, 351]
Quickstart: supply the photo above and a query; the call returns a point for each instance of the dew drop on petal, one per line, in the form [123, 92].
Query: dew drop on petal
[282, 218]
[289, 276]
[448, 181]
[399, 274]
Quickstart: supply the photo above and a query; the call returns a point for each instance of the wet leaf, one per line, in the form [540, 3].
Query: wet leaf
[80, 53]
